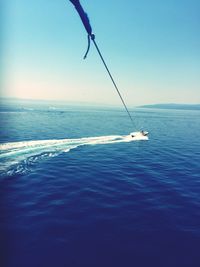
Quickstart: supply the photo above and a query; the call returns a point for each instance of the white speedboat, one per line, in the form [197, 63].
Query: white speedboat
[142, 135]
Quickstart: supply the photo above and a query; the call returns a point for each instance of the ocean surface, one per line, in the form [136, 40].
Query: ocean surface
[75, 191]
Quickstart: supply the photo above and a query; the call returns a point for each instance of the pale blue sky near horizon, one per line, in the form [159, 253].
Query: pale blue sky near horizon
[151, 48]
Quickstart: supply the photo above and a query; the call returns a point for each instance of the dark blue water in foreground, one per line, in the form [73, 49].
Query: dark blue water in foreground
[112, 204]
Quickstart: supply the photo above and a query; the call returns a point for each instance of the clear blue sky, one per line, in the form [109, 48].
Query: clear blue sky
[152, 48]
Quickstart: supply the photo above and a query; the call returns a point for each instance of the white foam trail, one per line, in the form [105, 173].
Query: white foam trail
[14, 153]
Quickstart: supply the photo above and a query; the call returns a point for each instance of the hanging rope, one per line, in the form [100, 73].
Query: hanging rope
[114, 83]
[88, 48]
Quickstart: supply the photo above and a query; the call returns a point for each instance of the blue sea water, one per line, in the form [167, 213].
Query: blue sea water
[99, 201]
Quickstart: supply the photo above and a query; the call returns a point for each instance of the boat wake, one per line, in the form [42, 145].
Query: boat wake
[18, 157]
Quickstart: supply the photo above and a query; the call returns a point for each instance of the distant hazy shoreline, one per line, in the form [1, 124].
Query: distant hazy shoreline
[51, 103]
[173, 106]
